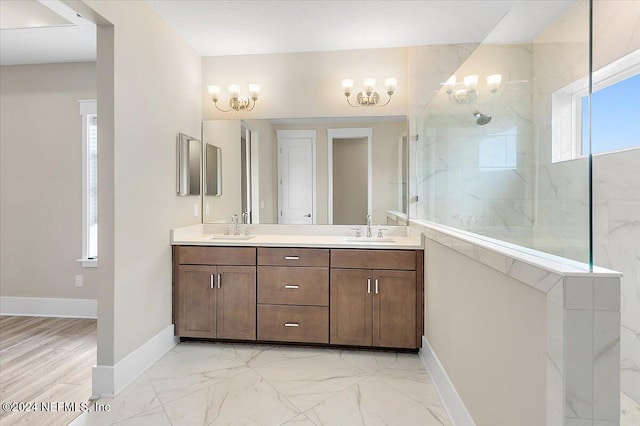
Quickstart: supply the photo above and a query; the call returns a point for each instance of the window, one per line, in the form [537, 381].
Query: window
[498, 151]
[614, 112]
[88, 110]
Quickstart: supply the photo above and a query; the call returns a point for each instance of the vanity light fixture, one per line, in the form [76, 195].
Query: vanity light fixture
[467, 92]
[236, 102]
[369, 97]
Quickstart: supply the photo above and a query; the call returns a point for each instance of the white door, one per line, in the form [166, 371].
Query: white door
[295, 177]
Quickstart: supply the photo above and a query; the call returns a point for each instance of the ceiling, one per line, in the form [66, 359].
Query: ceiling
[235, 27]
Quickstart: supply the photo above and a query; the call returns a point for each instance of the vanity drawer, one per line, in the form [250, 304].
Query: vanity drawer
[293, 256]
[281, 285]
[373, 259]
[306, 324]
[191, 255]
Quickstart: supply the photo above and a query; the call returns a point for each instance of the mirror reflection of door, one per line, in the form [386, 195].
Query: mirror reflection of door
[350, 181]
[245, 174]
[295, 176]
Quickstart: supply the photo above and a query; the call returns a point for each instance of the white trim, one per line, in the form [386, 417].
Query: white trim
[108, 381]
[88, 263]
[87, 109]
[349, 133]
[48, 307]
[453, 404]
[302, 134]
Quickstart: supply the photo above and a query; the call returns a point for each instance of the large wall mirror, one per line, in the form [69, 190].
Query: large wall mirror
[299, 171]
[189, 165]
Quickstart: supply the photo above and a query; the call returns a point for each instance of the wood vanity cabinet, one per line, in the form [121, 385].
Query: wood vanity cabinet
[376, 298]
[293, 295]
[215, 292]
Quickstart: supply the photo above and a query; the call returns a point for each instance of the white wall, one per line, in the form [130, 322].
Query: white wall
[41, 180]
[148, 91]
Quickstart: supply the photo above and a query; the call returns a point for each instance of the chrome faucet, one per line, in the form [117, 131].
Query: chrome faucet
[368, 226]
[236, 229]
[245, 217]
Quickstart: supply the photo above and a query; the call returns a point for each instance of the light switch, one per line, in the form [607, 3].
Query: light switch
[78, 280]
[196, 210]
[262, 204]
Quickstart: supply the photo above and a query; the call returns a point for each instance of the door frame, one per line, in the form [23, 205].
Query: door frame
[349, 133]
[299, 134]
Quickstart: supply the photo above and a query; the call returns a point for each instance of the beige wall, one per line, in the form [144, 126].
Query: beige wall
[148, 91]
[299, 85]
[350, 181]
[41, 180]
[489, 332]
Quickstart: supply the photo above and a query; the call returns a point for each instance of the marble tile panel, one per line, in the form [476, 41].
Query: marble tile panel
[606, 294]
[556, 294]
[153, 417]
[577, 422]
[535, 277]
[629, 411]
[578, 293]
[301, 420]
[309, 380]
[244, 399]
[369, 361]
[495, 260]
[373, 402]
[606, 366]
[578, 350]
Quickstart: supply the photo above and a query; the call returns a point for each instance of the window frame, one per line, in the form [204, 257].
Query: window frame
[566, 107]
[88, 109]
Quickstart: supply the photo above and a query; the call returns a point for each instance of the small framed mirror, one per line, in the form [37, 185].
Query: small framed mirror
[213, 170]
[189, 165]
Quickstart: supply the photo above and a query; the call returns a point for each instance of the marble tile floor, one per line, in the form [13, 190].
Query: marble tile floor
[201, 383]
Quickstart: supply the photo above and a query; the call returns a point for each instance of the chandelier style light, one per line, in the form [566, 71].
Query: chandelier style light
[467, 92]
[369, 97]
[236, 102]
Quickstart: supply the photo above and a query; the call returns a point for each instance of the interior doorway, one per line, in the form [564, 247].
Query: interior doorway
[296, 176]
[350, 180]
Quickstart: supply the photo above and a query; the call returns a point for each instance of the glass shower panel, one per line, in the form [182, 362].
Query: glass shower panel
[485, 142]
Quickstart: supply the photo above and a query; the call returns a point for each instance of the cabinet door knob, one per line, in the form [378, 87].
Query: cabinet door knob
[291, 286]
[291, 324]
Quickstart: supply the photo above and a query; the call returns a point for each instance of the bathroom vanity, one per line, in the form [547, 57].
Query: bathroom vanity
[330, 290]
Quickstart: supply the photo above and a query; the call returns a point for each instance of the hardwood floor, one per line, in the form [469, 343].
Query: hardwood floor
[45, 360]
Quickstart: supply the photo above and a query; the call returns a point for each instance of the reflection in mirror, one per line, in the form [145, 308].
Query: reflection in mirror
[254, 172]
[189, 165]
[213, 170]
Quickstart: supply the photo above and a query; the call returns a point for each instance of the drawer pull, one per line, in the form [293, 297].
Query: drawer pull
[291, 324]
[292, 258]
[291, 286]
[376, 286]
[219, 279]
[211, 281]
[368, 285]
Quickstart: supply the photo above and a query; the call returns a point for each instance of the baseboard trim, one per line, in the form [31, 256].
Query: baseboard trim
[48, 307]
[108, 381]
[454, 405]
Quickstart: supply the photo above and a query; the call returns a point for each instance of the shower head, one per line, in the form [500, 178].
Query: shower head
[481, 119]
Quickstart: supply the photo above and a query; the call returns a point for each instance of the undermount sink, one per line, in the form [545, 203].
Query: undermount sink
[371, 240]
[232, 237]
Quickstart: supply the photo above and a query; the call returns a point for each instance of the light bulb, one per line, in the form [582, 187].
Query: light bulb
[390, 84]
[471, 82]
[493, 82]
[450, 84]
[369, 85]
[234, 90]
[254, 90]
[214, 92]
[347, 86]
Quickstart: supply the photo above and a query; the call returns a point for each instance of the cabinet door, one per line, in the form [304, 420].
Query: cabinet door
[350, 307]
[394, 309]
[236, 304]
[196, 314]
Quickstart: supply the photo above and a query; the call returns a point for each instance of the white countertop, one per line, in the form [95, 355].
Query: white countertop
[324, 236]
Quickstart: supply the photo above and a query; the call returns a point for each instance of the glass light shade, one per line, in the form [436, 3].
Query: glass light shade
[369, 85]
[390, 84]
[471, 82]
[493, 82]
[254, 90]
[450, 84]
[347, 85]
[234, 90]
[214, 92]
